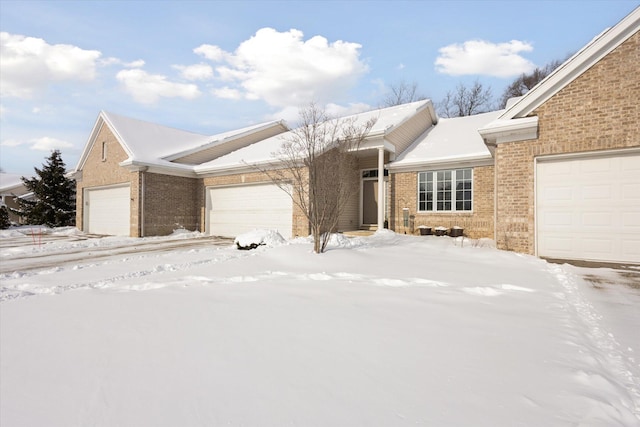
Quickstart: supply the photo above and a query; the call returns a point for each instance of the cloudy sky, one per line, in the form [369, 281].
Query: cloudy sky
[213, 66]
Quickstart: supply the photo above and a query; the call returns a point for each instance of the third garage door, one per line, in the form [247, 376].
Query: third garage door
[588, 208]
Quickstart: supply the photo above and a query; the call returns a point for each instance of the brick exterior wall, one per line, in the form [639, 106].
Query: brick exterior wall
[300, 226]
[99, 173]
[597, 111]
[170, 202]
[476, 224]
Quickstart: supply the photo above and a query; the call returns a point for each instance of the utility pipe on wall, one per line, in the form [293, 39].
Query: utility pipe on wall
[381, 200]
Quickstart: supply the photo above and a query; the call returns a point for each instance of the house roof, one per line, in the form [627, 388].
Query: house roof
[388, 120]
[513, 124]
[451, 140]
[151, 144]
[11, 183]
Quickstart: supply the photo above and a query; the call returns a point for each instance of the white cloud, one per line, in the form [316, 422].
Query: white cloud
[335, 110]
[10, 143]
[149, 88]
[291, 114]
[47, 144]
[139, 63]
[29, 64]
[227, 93]
[195, 72]
[484, 58]
[211, 52]
[284, 70]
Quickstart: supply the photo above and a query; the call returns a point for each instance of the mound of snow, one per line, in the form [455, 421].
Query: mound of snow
[255, 238]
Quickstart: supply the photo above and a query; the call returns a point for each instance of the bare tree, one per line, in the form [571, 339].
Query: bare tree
[466, 101]
[402, 93]
[316, 166]
[525, 82]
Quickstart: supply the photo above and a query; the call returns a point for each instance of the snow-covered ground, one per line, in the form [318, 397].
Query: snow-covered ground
[387, 330]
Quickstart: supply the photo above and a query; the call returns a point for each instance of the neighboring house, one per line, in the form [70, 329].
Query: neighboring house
[12, 188]
[567, 156]
[556, 174]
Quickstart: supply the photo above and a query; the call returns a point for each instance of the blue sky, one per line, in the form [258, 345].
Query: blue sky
[213, 66]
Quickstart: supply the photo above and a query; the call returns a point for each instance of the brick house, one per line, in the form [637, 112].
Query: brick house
[567, 156]
[142, 179]
[556, 174]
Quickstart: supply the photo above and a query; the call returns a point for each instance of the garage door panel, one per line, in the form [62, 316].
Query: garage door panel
[239, 209]
[592, 212]
[107, 210]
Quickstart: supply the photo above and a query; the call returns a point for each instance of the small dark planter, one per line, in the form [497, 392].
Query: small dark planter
[440, 231]
[456, 232]
[425, 231]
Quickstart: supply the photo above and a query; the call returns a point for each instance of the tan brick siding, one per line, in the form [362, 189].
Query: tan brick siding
[597, 111]
[99, 173]
[170, 202]
[476, 224]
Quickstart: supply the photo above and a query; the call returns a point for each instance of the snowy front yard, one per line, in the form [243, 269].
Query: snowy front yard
[387, 330]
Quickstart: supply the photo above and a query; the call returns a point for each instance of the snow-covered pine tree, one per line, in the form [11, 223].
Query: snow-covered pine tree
[4, 217]
[54, 202]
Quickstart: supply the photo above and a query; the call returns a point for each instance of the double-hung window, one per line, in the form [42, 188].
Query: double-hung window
[446, 190]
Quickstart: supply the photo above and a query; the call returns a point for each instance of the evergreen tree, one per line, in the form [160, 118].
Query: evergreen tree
[54, 202]
[4, 218]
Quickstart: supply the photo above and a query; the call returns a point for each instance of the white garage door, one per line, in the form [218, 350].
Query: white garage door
[232, 211]
[107, 210]
[588, 208]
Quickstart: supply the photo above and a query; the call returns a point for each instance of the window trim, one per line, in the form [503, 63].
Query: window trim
[434, 190]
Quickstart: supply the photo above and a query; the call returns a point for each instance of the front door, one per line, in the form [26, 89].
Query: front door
[370, 202]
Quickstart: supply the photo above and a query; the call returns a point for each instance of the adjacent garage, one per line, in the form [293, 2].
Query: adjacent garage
[234, 210]
[588, 207]
[107, 210]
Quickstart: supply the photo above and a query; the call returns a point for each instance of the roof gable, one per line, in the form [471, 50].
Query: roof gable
[154, 145]
[575, 66]
[388, 120]
[517, 122]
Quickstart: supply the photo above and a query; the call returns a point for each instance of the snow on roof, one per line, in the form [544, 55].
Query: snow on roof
[151, 144]
[147, 142]
[263, 151]
[451, 139]
[9, 181]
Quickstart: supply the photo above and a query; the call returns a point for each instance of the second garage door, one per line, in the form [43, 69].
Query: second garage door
[234, 210]
[588, 208]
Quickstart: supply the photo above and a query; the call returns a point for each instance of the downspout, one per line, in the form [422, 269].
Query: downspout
[141, 195]
[381, 200]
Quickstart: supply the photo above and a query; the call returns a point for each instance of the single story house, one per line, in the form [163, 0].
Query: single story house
[556, 174]
[11, 189]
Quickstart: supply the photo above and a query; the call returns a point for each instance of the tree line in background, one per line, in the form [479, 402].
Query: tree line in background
[54, 197]
[472, 99]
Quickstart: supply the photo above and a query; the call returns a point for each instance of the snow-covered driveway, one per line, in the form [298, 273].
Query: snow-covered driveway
[387, 330]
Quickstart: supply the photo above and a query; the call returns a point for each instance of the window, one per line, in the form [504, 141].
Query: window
[436, 190]
[373, 173]
[104, 151]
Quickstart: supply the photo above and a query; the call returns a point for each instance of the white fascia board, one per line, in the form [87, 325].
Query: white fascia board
[240, 168]
[575, 66]
[375, 145]
[136, 166]
[440, 164]
[512, 130]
